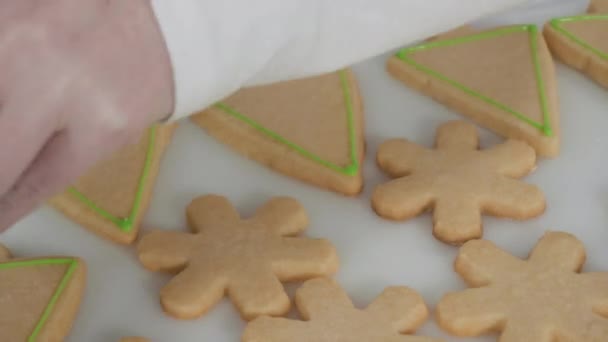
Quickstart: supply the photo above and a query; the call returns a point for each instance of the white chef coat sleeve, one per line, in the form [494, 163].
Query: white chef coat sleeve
[218, 46]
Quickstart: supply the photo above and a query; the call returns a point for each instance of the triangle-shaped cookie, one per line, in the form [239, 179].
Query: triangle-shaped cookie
[39, 297]
[112, 198]
[582, 43]
[598, 6]
[503, 78]
[310, 129]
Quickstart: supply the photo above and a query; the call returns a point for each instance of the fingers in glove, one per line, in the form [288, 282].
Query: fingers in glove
[67, 156]
[22, 136]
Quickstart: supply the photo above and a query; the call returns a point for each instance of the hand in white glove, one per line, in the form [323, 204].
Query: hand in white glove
[79, 79]
[217, 46]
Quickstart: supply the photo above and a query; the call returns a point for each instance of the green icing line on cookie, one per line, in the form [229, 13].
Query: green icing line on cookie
[545, 127]
[124, 224]
[350, 170]
[558, 25]
[55, 297]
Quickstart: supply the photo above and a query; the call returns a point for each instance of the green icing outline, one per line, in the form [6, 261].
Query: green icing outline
[349, 170]
[72, 264]
[558, 24]
[124, 224]
[545, 127]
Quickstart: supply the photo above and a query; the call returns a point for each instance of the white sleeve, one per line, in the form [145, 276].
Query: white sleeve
[218, 46]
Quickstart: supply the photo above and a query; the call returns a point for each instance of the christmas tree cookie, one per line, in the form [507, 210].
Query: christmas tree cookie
[582, 42]
[112, 198]
[503, 79]
[39, 297]
[310, 129]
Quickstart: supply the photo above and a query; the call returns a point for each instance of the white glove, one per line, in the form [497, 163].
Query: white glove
[81, 78]
[218, 46]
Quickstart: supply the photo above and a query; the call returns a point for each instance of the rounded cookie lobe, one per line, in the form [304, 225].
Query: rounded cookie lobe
[321, 141]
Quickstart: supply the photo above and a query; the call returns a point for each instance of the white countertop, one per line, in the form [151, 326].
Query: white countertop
[122, 297]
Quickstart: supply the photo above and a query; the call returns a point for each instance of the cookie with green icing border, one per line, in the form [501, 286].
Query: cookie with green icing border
[40, 297]
[310, 129]
[582, 42]
[112, 198]
[502, 78]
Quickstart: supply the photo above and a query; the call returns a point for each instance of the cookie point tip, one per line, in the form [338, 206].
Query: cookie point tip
[401, 54]
[125, 225]
[351, 169]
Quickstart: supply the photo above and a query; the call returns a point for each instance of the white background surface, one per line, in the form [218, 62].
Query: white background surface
[122, 298]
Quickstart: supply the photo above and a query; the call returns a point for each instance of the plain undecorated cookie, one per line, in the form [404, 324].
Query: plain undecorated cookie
[330, 316]
[39, 297]
[472, 72]
[246, 259]
[542, 299]
[457, 181]
[311, 129]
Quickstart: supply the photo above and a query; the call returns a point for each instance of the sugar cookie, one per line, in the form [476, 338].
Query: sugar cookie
[112, 198]
[472, 73]
[580, 42]
[542, 299]
[598, 6]
[39, 297]
[330, 316]
[457, 181]
[5, 254]
[310, 129]
[247, 259]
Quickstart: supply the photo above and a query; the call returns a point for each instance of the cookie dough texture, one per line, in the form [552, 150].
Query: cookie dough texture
[581, 43]
[329, 316]
[310, 129]
[245, 259]
[457, 181]
[5, 254]
[116, 187]
[40, 297]
[543, 299]
[473, 72]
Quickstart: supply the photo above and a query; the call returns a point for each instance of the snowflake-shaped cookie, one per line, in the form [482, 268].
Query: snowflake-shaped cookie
[543, 299]
[458, 181]
[244, 258]
[331, 317]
